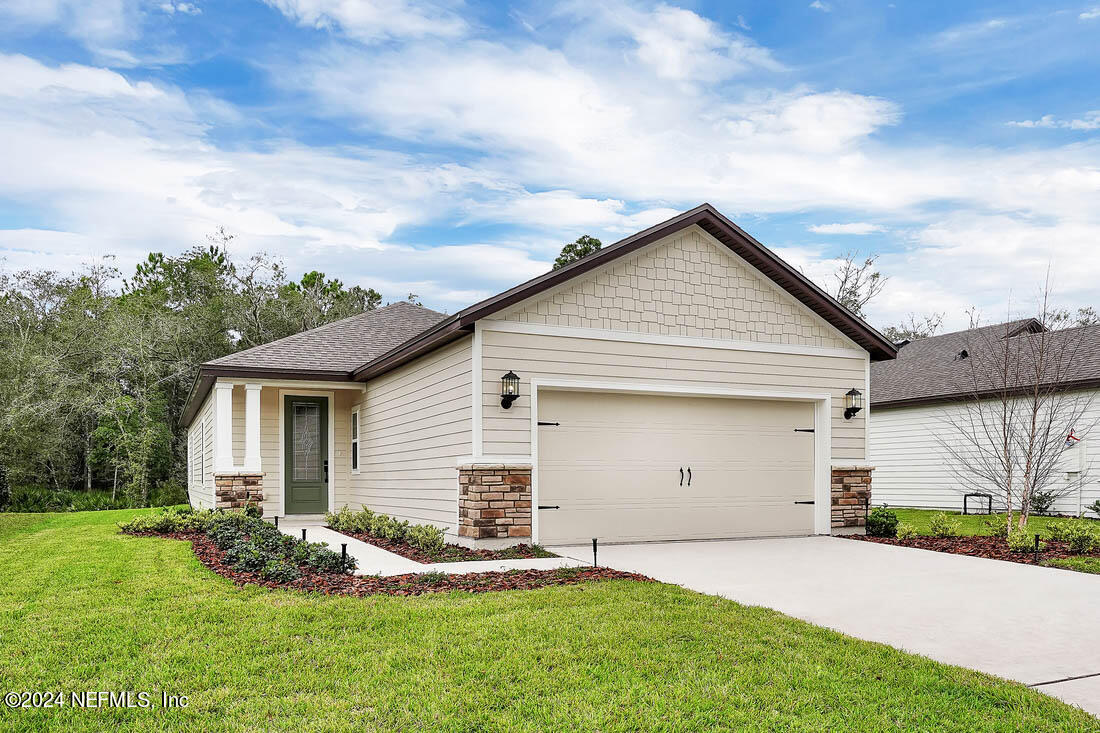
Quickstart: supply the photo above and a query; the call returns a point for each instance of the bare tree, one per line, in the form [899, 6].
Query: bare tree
[915, 327]
[856, 282]
[1009, 430]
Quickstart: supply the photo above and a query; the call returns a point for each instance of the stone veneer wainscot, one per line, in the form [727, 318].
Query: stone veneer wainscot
[235, 490]
[851, 496]
[494, 501]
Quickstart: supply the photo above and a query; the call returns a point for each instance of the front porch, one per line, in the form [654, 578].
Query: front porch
[285, 445]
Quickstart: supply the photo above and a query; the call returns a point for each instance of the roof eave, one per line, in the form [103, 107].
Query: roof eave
[209, 374]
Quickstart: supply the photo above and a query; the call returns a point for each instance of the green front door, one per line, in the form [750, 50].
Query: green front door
[305, 430]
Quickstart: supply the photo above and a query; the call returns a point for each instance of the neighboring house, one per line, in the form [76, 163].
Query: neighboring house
[919, 398]
[669, 387]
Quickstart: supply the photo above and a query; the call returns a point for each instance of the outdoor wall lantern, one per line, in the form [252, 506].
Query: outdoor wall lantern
[509, 389]
[853, 403]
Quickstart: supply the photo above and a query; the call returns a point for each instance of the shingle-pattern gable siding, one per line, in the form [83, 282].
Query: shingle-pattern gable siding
[686, 285]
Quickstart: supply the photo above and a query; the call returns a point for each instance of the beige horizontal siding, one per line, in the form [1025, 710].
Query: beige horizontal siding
[913, 470]
[508, 432]
[200, 436]
[415, 422]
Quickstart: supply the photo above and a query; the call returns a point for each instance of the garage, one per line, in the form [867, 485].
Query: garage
[626, 467]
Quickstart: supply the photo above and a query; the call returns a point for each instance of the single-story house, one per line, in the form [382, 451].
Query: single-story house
[682, 383]
[920, 399]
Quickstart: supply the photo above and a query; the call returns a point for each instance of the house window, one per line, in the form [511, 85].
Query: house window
[355, 441]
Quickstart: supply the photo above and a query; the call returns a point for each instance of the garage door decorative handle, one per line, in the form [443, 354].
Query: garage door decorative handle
[681, 475]
[689, 475]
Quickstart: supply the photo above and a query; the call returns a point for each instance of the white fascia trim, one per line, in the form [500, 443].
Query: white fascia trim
[295, 384]
[476, 388]
[823, 432]
[539, 329]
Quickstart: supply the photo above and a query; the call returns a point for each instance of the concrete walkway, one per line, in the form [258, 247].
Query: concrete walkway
[371, 560]
[1021, 622]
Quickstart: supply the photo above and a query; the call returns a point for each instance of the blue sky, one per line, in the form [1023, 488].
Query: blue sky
[450, 148]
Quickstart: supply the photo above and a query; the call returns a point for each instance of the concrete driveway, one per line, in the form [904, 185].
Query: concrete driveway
[1035, 625]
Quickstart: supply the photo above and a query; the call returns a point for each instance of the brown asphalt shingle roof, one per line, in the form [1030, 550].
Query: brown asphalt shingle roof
[930, 370]
[341, 346]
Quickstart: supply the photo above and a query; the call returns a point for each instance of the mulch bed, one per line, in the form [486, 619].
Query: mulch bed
[450, 553]
[993, 548]
[412, 584]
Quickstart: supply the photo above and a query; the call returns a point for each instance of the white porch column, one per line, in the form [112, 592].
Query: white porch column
[252, 428]
[223, 428]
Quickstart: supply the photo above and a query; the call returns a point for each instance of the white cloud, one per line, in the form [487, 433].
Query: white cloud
[374, 20]
[822, 6]
[102, 25]
[179, 7]
[1090, 121]
[857, 228]
[1090, 14]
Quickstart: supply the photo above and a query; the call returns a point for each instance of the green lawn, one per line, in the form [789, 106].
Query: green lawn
[84, 608]
[1081, 564]
[969, 524]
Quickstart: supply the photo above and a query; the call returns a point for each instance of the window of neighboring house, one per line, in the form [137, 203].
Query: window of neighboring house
[355, 441]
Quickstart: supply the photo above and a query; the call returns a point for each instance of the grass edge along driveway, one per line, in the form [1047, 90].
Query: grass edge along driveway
[85, 608]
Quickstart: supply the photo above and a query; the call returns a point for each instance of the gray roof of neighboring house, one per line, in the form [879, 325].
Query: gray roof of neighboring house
[341, 346]
[934, 370]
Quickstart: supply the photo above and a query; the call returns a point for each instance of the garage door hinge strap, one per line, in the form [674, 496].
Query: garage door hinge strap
[546, 506]
[555, 424]
[803, 430]
[805, 502]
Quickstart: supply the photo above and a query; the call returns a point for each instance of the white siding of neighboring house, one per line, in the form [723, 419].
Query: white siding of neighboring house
[415, 422]
[200, 439]
[913, 470]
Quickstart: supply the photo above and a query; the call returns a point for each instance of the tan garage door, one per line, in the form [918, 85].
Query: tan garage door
[631, 467]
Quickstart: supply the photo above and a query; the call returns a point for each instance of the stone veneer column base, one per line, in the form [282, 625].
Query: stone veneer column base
[235, 490]
[494, 503]
[851, 498]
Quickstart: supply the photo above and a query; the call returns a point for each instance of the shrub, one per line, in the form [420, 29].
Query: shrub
[1042, 502]
[1094, 507]
[882, 522]
[33, 499]
[433, 578]
[225, 534]
[996, 525]
[906, 531]
[426, 537]
[943, 526]
[168, 493]
[249, 557]
[1078, 535]
[324, 560]
[1020, 540]
[169, 521]
[280, 571]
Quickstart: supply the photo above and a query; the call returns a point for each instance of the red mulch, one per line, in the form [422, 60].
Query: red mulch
[450, 553]
[993, 548]
[400, 585]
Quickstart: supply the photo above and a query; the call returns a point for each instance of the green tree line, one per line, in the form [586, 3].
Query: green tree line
[95, 367]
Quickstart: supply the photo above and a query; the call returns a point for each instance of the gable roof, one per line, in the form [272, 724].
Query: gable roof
[707, 218]
[933, 369]
[375, 342]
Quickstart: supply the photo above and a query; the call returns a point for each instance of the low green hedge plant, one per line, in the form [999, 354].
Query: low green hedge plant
[1020, 540]
[906, 531]
[424, 536]
[942, 526]
[882, 522]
